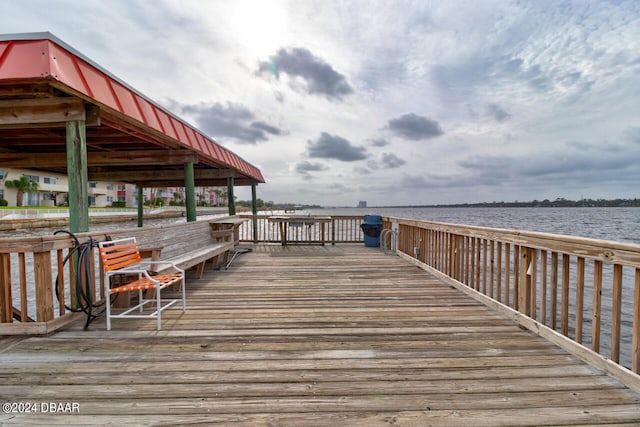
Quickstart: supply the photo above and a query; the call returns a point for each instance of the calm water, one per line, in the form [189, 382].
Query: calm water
[617, 224]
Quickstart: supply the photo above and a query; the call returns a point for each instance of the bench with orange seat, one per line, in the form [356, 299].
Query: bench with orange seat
[122, 256]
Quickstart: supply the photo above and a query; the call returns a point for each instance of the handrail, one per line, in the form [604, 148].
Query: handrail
[587, 290]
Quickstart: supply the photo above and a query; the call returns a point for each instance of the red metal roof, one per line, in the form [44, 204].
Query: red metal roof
[42, 56]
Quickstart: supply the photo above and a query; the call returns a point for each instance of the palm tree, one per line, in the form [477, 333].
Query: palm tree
[23, 185]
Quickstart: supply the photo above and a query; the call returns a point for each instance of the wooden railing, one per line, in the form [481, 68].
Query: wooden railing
[341, 229]
[29, 303]
[30, 268]
[587, 290]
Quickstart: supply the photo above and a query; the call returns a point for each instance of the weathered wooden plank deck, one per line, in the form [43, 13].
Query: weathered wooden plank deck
[308, 335]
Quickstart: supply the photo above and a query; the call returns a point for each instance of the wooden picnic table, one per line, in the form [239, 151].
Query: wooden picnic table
[308, 220]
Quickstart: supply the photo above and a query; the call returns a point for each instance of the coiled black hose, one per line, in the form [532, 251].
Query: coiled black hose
[80, 254]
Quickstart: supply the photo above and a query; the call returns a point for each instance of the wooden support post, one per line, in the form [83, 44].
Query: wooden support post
[230, 196]
[254, 211]
[140, 205]
[190, 191]
[77, 175]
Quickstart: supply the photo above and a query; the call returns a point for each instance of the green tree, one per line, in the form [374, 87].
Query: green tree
[23, 185]
[221, 196]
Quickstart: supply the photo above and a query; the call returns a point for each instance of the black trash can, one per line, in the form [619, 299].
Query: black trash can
[371, 227]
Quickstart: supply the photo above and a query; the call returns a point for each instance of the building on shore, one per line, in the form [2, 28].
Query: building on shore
[362, 204]
[53, 190]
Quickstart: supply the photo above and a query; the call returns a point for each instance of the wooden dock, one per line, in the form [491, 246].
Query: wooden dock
[307, 335]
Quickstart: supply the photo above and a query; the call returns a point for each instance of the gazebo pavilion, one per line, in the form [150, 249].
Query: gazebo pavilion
[63, 113]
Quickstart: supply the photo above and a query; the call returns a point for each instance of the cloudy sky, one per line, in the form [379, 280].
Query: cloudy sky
[393, 102]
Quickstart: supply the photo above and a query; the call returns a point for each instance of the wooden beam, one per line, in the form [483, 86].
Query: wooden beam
[39, 90]
[160, 175]
[41, 110]
[198, 183]
[116, 158]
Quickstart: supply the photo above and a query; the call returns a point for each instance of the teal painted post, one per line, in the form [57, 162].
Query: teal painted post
[140, 205]
[254, 210]
[231, 197]
[190, 191]
[78, 176]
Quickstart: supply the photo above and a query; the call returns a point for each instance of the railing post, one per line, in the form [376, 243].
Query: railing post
[527, 282]
[507, 276]
[6, 304]
[44, 286]
[635, 340]
[616, 312]
[553, 310]
[579, 300]
[516, 277]
[524, 303]
[333, 231]
[455, 256]
[499, 273]
[564, 325]
[597, 305]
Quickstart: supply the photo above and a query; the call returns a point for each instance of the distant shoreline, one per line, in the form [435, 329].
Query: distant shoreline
[558, 203]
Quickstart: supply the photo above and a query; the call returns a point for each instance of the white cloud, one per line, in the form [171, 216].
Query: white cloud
[532, 99]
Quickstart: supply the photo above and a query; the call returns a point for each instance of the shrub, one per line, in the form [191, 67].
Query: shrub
[3, 202]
